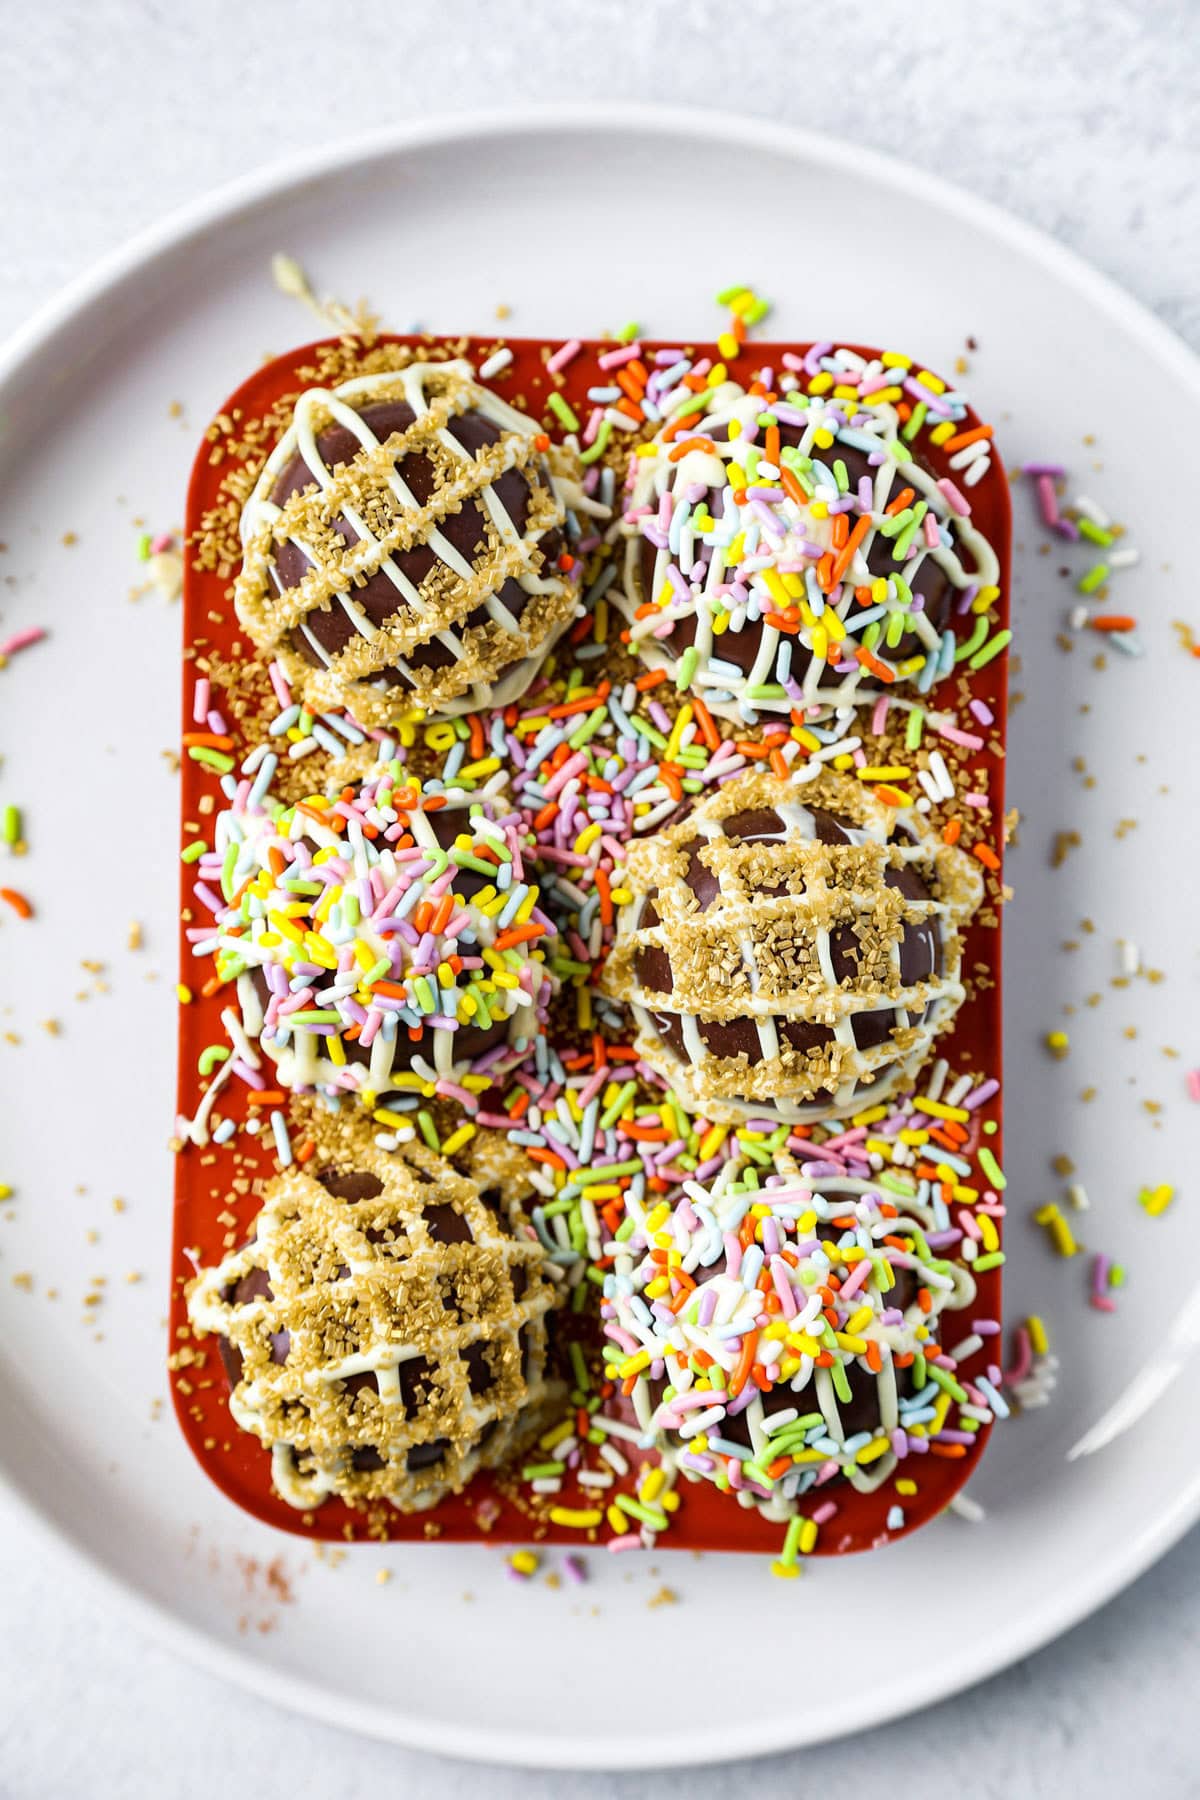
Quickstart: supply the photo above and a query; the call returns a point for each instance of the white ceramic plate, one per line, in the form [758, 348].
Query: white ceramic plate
[438, 225]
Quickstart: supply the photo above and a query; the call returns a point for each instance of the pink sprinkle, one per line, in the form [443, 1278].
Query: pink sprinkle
[1047, 500]
[879, 716]
[200, 700]
[1193, 1083]
[283, 692]
[954, 497]
[576, 1568]
[982, 711]
[21, 640]
[562, 357]
[162, 542]
[826, 1511]
[955, 736]
[631, 1541]
[593, 424]
[613, 359]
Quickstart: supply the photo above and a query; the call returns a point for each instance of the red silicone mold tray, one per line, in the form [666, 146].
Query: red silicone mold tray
[208, 1207]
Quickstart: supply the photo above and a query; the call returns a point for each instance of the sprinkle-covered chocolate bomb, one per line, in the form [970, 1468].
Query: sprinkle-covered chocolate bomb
[384, 1331]
[380, 938]
[405, 545]
[790, 951]
[783, 1334]
[790, 550]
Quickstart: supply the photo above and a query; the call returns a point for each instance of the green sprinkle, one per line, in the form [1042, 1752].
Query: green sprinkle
[646, 1515]
[12, 825]
[992, 1260]
[562, 411]
[687, 668]
[1095, 577]
[596, 450]
[1095, 534]
[578, 1360]
[143, 549]
[991, 1168]
[210, 1056]
[945, 1380]
[193, 853]
[316, 1015]
[728, 295]
[914, 730]
[974, 642]
[1000, 642]
[791, 1542]
[915, 423]
[214, 759]
[540, 1471]
[426, 1127]
[628, 332]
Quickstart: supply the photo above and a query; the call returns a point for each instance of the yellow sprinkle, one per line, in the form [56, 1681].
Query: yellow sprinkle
[560, 1433]
[575, 1519]
[987, 1227]
[1037, 1334]
[1156, 1200]
[183, 994]
[458, 1138]
[941, 432]
[525, 1562]
[652, 1485]
[383, 1116]
[669, 1501]
[336, 1049]
[587, 838]
[940, 1111]
[906, 1487]
[892, 359]
[633, 1365]
[617, 1520]
[728, 345]
[933, 382]
[1057, 1043]
[886, 774]
[874, 1450]
[785, 1571]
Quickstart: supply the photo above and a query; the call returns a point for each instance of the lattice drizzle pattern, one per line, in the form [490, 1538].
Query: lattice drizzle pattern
[765, 956]
[492, 663]
[390, 1344]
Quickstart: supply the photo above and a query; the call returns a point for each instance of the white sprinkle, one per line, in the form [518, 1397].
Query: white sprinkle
[967, 1509]
[1078, 617]
[1092, 511]
[976, 472]
[1131, 960]
[1124, 559]
[1077, 1195]
[499, 359]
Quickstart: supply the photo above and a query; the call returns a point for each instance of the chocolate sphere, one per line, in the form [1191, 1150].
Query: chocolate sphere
[790, 951]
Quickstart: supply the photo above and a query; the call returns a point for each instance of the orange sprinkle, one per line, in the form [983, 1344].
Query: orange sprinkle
[904, 498]
[952, 831]
[745, 1363]
[707, 725]
[693, 443]
[266, 1097]
[651, 678]
[986, 855]
[961, 439]
[20, 905]
[212, 739]
[306, 1150]
[519, 934]
[1112, 622]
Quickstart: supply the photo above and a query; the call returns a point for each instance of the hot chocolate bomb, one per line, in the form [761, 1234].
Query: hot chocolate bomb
[385, 1331]
[793, 551]
[791, 951]
[404, 546]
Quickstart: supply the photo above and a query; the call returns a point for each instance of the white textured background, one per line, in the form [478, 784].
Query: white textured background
[1083, 117]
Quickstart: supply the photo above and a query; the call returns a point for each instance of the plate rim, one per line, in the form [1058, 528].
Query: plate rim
[171, 234]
